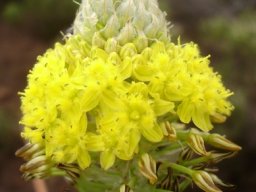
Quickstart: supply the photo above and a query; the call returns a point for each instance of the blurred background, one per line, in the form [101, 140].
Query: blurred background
[225, 29]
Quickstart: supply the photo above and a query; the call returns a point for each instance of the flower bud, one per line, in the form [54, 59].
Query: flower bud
[219, 182]
[98, 41]
[141, 42]
[196, 143]
[28, 150]
[147, 167]
[218, 118]
[204, 181]
[129, 50]
[122, 20]
[218, 157]
[73, 171]
[39, 167]
[221, 142]
[127, 34]
[125, 188]
[34, 163]
[186, 154]
[111, 46]
[169, 131]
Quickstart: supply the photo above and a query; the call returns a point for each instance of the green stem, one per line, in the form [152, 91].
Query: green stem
[181, 168]
[184, 185]
[172, 147]
[196, 161]
[126, 172]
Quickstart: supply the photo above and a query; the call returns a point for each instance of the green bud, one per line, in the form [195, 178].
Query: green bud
[218, 157]
[221, 142]
[196, 143]
[204, 181]
[169, 131]
[219, 182]
[147, 167]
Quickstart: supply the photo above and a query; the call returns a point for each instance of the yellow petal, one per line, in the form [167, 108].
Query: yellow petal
[94, 142]
[83, 159]
[142, 71]
[109, 99]
[185, 111]
[161, 107]
[126, 68]
[107, 159]
[90, 99]
[134, 138]
[202, 119]
[153, 134]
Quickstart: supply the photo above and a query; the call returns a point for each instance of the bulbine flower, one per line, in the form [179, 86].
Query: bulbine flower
[114, 91]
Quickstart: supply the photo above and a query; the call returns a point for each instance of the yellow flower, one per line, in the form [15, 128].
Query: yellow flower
[115, 81]
[122, 127]
[179, 74]
[124, 91]
[128, 90]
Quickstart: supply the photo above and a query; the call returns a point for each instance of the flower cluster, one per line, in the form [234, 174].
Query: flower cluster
[119, 91]
[81, 98]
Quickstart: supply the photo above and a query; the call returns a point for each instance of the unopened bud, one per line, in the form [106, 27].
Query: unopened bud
[219, 182]
[186, 154]
[28, 150]
[73, 172]
[141, 43]
[127, 34]
[204, 181]
[196, 143]
[29, 176]
[98, 41]
[169, 131]
[147, 167]
[112, 27]
[218, 118]
[33, 164]
[218, 157]
[221, 142]
[178, 126]
[129, 50]
[114, 59]
[37, 154]
[125, 188]
[111, 46]
[38, 167]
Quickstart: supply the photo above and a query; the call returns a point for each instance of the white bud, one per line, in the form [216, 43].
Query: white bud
[112, 27]
[123, 20]
[127, 34]
[98, 41]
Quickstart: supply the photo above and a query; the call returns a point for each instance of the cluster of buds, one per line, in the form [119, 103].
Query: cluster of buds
[119, 93]
[38, 166]
[193, 162]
